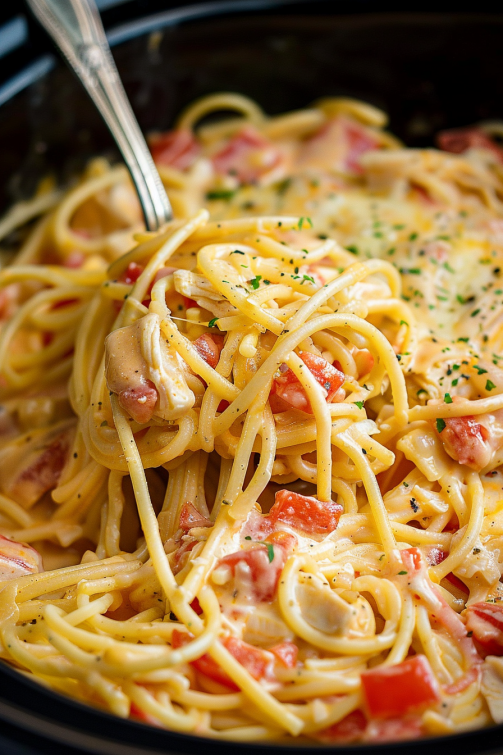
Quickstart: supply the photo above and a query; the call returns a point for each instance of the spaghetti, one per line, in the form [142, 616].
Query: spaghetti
[251, 464]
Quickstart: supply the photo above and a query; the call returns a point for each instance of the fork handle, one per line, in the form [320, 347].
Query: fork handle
[76, 28]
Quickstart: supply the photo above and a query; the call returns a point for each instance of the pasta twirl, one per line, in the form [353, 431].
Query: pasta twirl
[251, 477]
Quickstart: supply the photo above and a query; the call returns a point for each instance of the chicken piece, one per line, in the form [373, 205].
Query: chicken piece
[146, 374]
[18, 559]
[200, 289]
[32, 464]
[321, 607]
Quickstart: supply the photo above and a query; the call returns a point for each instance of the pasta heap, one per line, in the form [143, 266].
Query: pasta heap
[251, 479]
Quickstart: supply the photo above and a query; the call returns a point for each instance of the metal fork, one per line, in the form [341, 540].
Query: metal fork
[76, 28]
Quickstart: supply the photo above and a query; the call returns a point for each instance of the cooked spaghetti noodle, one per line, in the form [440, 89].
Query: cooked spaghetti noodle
[250, 465]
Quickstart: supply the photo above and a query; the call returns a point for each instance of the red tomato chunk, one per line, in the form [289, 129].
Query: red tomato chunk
[254, 660]
[464, 440]
[458, 140]
[179, 149]
[286, 653]
[349, 729]
[131, 273]
[305, 513]
[257, 570]
[190, 517]
[248, 155]
[393, 691]
[140, 402]
[485, 620]
[288, 388]
[209, 347]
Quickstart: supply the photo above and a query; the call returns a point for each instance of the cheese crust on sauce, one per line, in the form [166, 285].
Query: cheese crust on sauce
[250, 465]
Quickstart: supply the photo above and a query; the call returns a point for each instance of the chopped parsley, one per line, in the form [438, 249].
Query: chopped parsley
[359, 404]
[447, 398]
[404, 322]
[440, 425]
[490, 385]
[220, 194]
[270, 551]
[212, 322]
[104, 423]
[410, 270]
[301, 223]
[479, 369]
[352, 249]
[255, 282]
[402, 572]
[236, 251]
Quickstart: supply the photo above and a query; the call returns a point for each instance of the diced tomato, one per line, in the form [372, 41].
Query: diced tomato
[131, 273]
[457, 583]
[179, 148]
[392, 691]
[18, 559]
[455, 626]
[286, 540]
[286, 653]
[140, 402]
[256, 571]
[436, 556]
[222, 405]
[288, 388]
[464, 440]
[63, 303]
[458, 140]
[254, 660]
[182, 554]
[359, 140]
[305, 513]
[485, 620]
[74, 260]
[205, 664]
[190, 517]
[42, 472]
[248, 155]
[394, 729]
[137, 713]
[195, 605]
[350, 729]
[209, 347]
[411, 559]
[189, 303]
